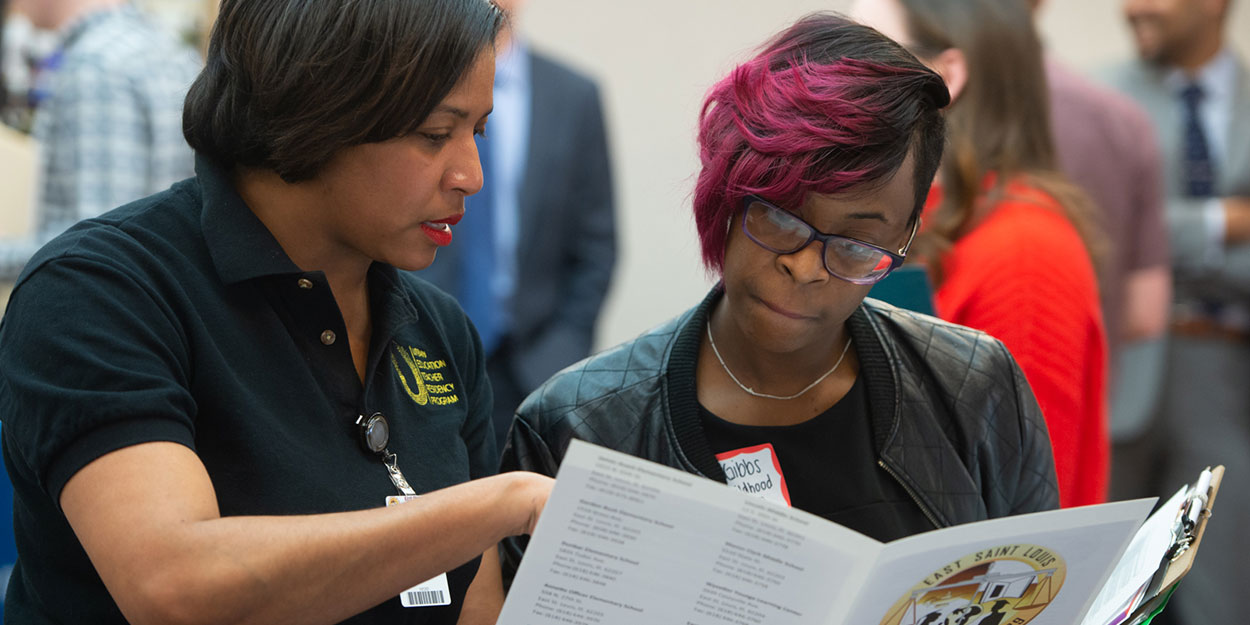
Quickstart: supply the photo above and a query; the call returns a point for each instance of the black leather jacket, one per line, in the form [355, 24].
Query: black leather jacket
[953, 419]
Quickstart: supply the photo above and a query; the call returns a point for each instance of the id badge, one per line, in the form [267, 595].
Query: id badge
[756, 471]
[432, 592]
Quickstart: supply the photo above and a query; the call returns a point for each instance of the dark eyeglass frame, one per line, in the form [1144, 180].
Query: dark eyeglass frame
[896, 258]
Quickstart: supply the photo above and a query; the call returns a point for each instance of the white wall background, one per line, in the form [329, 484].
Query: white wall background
[655, 59]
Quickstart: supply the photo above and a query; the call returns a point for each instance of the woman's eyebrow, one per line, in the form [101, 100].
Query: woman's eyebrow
[445, 108]
[869, 215]
[456, 111]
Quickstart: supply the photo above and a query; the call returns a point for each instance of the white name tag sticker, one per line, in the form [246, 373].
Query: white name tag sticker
[755, 471]
[429, 593]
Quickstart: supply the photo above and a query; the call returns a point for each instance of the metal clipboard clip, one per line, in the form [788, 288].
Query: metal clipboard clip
[1191, 511]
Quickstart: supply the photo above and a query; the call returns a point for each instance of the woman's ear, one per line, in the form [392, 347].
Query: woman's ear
[952, 65]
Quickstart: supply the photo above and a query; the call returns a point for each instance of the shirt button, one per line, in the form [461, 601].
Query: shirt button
[327, 337]
[305, 283]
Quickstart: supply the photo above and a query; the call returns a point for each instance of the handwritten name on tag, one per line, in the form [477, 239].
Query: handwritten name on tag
[755, 470]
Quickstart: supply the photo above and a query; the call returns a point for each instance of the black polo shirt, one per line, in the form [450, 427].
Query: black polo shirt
[179, 318]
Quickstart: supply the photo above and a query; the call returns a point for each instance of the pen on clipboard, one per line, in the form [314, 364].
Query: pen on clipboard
[1188, 515]
[1197, 500]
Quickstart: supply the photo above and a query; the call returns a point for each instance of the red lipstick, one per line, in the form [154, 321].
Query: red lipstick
[439, 230]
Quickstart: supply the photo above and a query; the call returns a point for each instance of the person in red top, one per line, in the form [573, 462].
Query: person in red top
[1023, 275]
[1009, 241]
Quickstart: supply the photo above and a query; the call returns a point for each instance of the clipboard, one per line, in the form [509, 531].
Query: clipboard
[1180, 558]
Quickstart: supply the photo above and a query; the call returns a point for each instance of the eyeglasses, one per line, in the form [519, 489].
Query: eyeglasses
[782, 232]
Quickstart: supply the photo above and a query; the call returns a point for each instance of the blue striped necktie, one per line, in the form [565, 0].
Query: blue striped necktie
[1199, 168]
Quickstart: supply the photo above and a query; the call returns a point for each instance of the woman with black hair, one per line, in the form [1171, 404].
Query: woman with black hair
[212, 396]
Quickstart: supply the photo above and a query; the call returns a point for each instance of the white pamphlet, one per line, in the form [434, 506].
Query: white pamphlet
[625, 541]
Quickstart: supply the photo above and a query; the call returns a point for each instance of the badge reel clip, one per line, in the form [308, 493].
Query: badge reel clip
[375, 434]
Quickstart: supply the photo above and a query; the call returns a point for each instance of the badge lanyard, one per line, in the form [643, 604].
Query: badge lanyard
[375, 434]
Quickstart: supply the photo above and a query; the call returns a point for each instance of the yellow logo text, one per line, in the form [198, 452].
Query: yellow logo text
[426, 375]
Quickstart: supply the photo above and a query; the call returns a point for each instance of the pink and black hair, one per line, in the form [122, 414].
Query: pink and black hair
[829, 106]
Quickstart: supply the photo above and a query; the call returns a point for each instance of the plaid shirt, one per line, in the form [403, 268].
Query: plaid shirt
[110, 130]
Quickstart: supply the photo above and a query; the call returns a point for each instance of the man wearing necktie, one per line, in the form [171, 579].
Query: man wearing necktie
[533, 256]
[1197, 92]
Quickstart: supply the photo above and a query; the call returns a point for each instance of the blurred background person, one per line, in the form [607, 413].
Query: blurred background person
[1008, 238]
[1105, 143]
[539, 240]
[109, 118]
[1197, 92]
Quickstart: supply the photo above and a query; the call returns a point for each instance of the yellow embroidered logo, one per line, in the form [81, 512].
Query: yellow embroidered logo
[1004, 585]
[427, 377]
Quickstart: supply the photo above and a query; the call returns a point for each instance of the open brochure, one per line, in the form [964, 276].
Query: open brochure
[626, 541]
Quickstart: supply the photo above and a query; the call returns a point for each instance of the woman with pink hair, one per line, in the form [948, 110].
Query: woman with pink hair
[785, 382]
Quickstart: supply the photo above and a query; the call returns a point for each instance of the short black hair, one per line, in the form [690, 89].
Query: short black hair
[287, 84]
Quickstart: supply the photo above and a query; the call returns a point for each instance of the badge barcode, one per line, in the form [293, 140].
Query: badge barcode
[426, 597]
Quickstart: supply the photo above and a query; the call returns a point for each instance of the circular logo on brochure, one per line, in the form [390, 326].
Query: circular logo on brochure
[1006, 585]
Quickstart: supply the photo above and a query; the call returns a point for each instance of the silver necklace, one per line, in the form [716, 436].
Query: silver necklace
[751, 391]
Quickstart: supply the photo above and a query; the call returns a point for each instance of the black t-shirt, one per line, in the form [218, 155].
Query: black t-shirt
[179, 318]
[828, 465]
